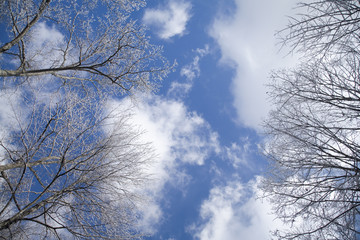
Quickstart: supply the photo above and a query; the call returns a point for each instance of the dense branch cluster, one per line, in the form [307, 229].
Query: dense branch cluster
[324, 26]
[70, 161]
[101, 46]
[314, 130]
[71, 167]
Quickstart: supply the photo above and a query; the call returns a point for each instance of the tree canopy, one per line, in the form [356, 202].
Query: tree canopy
[70, 160]
[313, 130]
[97, 42]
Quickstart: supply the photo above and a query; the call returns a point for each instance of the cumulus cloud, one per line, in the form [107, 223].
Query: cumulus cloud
[233, 211]
[180, 138]
[247, 44]
[169, 20]
[178, 134]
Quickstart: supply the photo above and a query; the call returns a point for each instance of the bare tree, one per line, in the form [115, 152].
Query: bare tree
[71, 170]
[324, 26]
[313, 130]
[314, 150]
[70, 164]
[98, 43]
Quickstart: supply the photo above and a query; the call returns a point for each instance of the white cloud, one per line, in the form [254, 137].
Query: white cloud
[180, 137]
[11, 111]
[247, 43]
[169, 20]
[178, 90]
[44, 47]
[237, 154]
[190, 72]
[11, 115]
[151, 216]
[177, 133]
[234, 212]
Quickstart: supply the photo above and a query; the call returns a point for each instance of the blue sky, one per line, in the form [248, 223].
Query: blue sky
[205, 121]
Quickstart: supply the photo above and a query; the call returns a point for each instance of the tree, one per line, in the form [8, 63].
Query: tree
[70, 162]
[314, 150]
[98, 43]
[313, 130]
[324, 27]
[69, 169]
[65, 175]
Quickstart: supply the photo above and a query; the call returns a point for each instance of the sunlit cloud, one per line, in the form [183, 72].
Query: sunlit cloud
[180, 137]
[233, 211]
[247, 42]
[169, 20]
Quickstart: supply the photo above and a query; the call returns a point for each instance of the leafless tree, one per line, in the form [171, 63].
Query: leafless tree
[98, 43]
[70, 170]
[70, 164]
[324, 26]
[313, 130]
[314, 144]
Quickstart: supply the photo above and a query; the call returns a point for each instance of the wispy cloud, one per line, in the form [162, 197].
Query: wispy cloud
[169, 20]
[247, 43]
[190, 72]
[237, 154]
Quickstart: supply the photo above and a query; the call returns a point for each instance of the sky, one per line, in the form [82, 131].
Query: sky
[205, 121]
